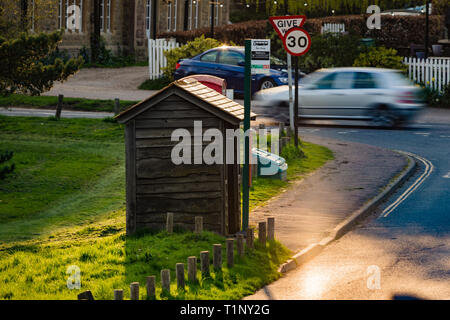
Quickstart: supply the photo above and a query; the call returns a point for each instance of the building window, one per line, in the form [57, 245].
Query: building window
[102, 16]
[195, 2]
[190, 15]
[216, 15]
[70, 15]
[175, 13]
[169, 16]
[105, 15]
[148, 15]
[108, 15]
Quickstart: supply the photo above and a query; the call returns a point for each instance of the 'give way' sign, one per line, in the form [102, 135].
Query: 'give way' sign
[284, 23]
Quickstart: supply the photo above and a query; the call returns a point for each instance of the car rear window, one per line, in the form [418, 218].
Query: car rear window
[231, 57]
[364, 80]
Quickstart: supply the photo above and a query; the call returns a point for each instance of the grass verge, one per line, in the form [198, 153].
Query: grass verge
[64, 205]
[47, 102]
[313, 157]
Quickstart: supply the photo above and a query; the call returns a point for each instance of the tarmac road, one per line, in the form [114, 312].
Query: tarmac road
[404, 248]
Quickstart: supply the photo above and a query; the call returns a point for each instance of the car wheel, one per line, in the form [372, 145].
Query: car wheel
[382, 117]
[266, 84]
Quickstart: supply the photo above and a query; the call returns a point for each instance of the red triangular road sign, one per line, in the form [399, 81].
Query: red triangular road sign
[283, 23]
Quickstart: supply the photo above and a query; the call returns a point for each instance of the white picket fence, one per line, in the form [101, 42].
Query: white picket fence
[432, 72]
[156, 58]
[333, 28]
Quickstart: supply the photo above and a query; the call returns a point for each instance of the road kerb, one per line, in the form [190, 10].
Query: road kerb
[345, 226]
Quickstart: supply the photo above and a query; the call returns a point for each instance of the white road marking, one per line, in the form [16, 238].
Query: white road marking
[422, 133]
[447, 176]
[428, 170]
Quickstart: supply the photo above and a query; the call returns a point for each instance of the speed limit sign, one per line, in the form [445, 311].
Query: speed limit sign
[297, 41]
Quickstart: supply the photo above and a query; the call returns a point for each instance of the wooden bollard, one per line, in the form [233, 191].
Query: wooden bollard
[289, 132]
[134, 291]
[230, 253]
[169, 223]
[204, 262]
[262, 232]
[151, 284]
[59, 106]
[179, 267]
[118, 294]
[281, 128]
[250, 238]
[198, 225]
[165, 280]
[240, 244]
[270, 228]
[217, 256]
[192, 269]
[116, 106]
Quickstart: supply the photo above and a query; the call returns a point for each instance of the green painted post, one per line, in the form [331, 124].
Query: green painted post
[247, 106]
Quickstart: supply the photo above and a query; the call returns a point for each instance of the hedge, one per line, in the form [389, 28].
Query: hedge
[397, 32]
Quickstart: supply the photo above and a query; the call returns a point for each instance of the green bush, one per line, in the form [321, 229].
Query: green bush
[189, 50]
[155, 84]
[331, 51]
[435, 99]
[380, 57]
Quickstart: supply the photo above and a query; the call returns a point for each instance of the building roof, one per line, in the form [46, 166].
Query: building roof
[229, 109]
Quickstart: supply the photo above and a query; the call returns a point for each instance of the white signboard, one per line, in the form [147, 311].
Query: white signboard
[260, 56]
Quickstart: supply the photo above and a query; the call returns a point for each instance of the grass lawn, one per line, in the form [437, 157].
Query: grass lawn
[64, 205]
[46, 102]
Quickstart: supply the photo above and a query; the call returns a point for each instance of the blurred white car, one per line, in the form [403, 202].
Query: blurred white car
[382, 96]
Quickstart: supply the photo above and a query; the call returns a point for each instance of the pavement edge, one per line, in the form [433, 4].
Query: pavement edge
[345, 226]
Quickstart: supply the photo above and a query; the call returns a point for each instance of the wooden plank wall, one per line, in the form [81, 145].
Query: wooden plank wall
[161, 186]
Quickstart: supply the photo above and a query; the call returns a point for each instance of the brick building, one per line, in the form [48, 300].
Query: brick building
[125, 24]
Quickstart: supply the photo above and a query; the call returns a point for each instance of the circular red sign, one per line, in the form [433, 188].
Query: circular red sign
[297, 41]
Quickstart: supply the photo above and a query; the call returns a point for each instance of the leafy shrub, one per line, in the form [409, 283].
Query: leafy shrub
[189, 50]
[435, 99]
[380, 57]
[155, 84]
[396, 31]
[106, 59]
[330, 51]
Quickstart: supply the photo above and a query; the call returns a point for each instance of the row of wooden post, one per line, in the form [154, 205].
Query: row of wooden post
[59, 106]
[266, 232]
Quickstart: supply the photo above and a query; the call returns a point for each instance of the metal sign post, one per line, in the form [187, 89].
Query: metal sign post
[247, 106]
[297, 42]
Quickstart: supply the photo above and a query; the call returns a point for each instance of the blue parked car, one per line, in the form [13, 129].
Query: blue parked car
[228, 63]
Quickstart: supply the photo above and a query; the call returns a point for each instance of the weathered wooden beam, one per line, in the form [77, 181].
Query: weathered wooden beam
[134, 291]
[230, 253]
[192, 269]
[179, 267]
[217, 256]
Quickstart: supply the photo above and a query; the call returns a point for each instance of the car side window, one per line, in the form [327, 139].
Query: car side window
[326, 82]
[231, 57]
[364, 80]
[343, 80]
[209, 57]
